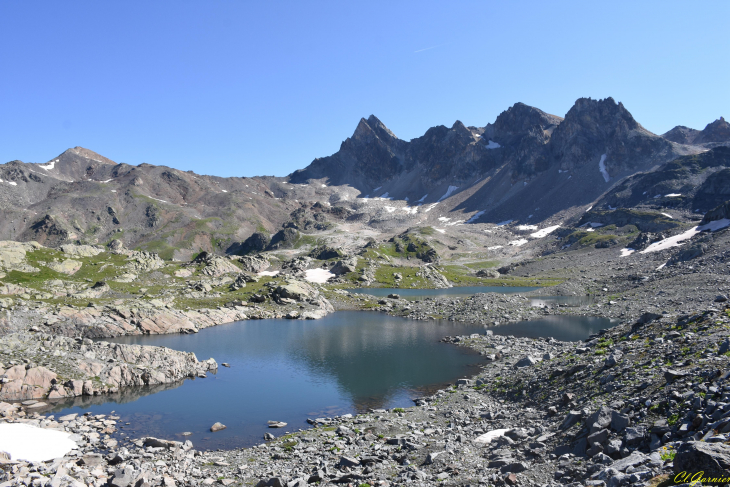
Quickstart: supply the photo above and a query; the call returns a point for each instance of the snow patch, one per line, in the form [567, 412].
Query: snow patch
[33, 444]
[12, 183]
[492, 145]
[448, 192]
[319, 276]
[475, 216]
[457, 222]
[50, 165]
[114, 191]
[410, 211]
[668, 215]
[224, 191]
[661, 266]
[544, 232]
[494, 247]
[324, 185]
[602, 168]
[518, 243]
[444, 219]
[389, 209]
[589, 230]
[675, 241]
[268, 273]
[589, 208]
[487, 438]
[525, 228]
[440, 230]
[673, 195]
[626, 252]
[104, 182]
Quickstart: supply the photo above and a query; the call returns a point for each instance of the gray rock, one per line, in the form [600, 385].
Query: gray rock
[636, 458]
[217, 427]
[602, 418]
[619, 422]
[635, 435]
[123, 477]
[712, 458]
[599, 437]
[572, 418]
[526, 362]
[348, 462]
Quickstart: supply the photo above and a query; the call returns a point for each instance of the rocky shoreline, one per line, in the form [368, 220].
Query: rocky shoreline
[637, 402]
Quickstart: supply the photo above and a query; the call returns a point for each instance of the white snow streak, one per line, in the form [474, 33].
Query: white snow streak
[668, 215]
[626, 252]
[544, 232]
[444, 219]
[602, 168]
[440, 230]
[448, 192]
[518, 243]
[156, 199]
[12, 183]
[673, 195]
[495, 247]
[492, 145]
[431, 207]
[676, 240]
[224, 191]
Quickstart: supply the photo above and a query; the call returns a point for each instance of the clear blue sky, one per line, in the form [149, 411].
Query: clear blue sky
[238, 88]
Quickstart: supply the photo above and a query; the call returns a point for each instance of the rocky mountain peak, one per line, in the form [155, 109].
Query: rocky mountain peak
[681, 135]
[717, 131]
[520, 120]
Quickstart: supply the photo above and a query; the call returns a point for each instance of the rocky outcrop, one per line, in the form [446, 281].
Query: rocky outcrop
[12, 255]
[141, 261]
[82, 250]
[215, 265]
[254, 263]
[283, 239]
[87, 367]
[68, 266]
[344, 266]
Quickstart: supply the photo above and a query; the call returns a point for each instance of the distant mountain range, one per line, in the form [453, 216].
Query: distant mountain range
[528, 165]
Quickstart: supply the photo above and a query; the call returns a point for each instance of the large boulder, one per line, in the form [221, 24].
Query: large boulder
[711, 458]
[297, 290]
[323, 252]
[254, 263]
[68, 266]
[344, 266]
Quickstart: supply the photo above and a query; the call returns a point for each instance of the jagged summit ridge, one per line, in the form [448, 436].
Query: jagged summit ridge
[714, 132]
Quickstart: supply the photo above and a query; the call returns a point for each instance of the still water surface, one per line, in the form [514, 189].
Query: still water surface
[291, 370]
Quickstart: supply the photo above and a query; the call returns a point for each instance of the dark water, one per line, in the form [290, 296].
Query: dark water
[432, 293]
[561, 327]
[291, 370]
